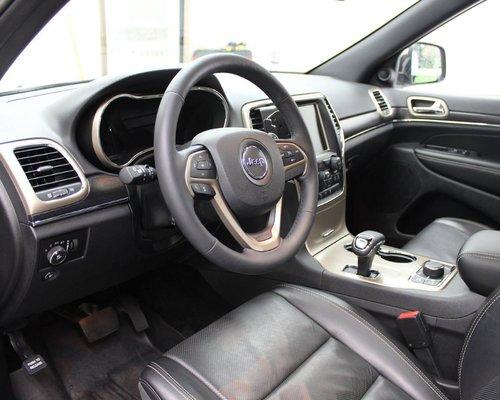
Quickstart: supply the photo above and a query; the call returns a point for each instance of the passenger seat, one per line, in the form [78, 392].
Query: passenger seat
[443, 238]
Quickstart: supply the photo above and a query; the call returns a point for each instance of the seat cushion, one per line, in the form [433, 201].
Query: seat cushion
[291, 343]
[443, 239]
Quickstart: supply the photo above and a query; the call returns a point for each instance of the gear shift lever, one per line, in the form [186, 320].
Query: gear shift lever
[365, 245]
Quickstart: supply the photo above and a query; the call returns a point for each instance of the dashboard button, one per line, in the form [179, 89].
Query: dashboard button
[202, 189]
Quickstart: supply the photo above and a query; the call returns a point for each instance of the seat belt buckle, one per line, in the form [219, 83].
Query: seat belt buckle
[416, 333]
[414, 329]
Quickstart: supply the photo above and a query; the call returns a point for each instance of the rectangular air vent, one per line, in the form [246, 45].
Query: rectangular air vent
[336, 121]
[49, 173]
[381, 102]
[256, 119]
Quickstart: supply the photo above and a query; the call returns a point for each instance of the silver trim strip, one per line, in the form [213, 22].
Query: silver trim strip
[446, 122]
[97, 207]
[32, 204]
[424, 120]
[96, 124]
[368, 130]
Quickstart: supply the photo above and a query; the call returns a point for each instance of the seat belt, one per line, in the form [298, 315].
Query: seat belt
[416, 333]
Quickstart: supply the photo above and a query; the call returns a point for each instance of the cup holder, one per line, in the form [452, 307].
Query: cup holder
[396, 257]
[390, 256]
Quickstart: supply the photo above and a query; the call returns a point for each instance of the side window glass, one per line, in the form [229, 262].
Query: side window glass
[470, 62]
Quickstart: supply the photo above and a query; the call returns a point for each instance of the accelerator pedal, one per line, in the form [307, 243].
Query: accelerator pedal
[128, 305]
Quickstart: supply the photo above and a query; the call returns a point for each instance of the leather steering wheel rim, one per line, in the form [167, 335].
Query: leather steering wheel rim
[171, 164]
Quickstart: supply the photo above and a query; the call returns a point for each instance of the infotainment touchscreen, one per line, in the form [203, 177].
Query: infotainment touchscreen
[310, 115]
[274, 124]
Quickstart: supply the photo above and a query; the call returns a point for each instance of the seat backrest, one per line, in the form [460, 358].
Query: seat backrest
[479, 368]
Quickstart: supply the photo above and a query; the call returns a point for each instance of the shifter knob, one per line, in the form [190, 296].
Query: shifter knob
[365, 245]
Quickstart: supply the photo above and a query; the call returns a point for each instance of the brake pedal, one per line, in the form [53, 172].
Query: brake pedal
[98, 323]
[32, 363]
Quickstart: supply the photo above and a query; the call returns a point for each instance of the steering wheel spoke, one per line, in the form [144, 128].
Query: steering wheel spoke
[201, 174]
[201, 180]
[294, 159]
[264, 240]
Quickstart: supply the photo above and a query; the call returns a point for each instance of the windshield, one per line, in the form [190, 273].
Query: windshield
[92, 38]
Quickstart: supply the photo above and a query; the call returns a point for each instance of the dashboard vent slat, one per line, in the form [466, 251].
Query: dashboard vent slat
[256, 119]
[336, 121]
[381, 102]
[46, 168]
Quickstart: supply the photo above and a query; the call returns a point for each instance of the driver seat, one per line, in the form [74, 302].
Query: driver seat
[299, 343]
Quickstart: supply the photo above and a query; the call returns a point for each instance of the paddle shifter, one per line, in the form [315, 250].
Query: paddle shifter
[365, 245]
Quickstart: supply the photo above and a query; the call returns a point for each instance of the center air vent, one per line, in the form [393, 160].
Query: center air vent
[381, 102]
[336, 121]
[256, 119]
[50, 174]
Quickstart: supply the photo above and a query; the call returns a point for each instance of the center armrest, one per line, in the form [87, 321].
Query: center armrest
[479, 262]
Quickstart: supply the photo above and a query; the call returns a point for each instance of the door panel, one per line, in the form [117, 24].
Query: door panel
[431, 169]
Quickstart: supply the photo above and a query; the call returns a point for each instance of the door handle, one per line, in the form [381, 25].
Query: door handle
[427, 107]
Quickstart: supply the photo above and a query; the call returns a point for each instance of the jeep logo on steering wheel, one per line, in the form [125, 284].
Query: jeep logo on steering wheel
[254, 162]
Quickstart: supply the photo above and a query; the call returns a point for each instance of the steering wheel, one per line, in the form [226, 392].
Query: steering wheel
[243, 172]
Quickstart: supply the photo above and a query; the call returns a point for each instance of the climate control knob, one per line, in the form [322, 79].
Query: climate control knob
[56, 255]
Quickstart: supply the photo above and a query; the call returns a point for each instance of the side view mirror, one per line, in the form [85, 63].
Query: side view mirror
[420, 63]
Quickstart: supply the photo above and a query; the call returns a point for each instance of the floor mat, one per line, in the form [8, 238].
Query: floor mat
[108, 369]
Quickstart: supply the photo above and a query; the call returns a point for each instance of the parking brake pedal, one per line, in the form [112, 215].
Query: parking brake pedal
[32, 363]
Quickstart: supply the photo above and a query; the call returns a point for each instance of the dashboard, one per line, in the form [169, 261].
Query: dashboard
[75, 228]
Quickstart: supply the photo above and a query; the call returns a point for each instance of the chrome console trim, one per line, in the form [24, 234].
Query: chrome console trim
[445, 122]
[96, 124]
[32, 204]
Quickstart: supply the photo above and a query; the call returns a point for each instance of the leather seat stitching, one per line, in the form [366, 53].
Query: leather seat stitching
[173, 379]
[471, 333]
[151, 388]
[484, 256]
[172, 384]
[401, 355]
[197, 375]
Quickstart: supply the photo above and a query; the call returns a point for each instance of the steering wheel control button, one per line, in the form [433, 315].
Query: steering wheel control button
[202, 166]
[254, 162]
[57, 255]
[202, 189]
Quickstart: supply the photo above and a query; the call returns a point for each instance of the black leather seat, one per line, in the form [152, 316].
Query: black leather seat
[443, 239]
[291, 343]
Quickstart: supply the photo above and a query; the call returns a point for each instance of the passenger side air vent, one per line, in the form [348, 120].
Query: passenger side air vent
[336, 121]
[256, 119]
[381, 102]
[50, 174]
